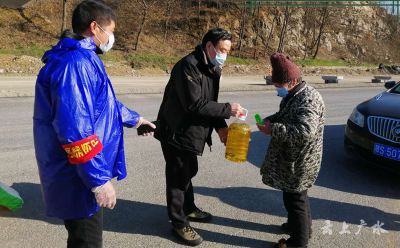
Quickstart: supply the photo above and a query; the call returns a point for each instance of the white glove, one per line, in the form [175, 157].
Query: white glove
[143, 121]
[105, 195]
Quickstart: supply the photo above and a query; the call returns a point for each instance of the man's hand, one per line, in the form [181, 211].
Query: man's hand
[105, 195]
[148, 123]
[223, 134]
[236, 109]
[266, 128]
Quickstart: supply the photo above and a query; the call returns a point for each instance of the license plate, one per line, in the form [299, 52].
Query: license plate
[387, 152]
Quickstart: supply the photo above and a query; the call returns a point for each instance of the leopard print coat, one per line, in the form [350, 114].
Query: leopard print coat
[294, 155]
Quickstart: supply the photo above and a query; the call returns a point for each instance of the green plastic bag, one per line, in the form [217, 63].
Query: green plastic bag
[10, 198]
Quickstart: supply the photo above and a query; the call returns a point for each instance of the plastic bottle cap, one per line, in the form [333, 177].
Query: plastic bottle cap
[242, 114]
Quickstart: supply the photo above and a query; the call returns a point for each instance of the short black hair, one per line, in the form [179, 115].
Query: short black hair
[91, 10]
[215, 35]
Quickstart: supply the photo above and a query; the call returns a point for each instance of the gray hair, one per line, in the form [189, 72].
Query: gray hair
[299, 81]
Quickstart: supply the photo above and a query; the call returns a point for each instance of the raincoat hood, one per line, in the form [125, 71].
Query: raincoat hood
[66, 45]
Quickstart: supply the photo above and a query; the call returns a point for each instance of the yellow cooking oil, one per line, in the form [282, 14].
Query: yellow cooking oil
[237, 144]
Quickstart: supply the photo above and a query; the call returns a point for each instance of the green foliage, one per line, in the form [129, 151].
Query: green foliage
[139, 61]
[33, 51]
[239, 61]
[165, 62]
[151, 61]
[108, 57]
[321, 62]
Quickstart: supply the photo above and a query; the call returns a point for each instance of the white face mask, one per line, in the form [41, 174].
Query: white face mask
[219, 59]
[106, 47]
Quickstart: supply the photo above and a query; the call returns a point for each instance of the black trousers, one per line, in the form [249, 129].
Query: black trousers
[85, 232]
[181, 167]
[299, 217]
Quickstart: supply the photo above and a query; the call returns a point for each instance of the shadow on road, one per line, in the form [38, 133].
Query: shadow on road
[345, 173]
[258, 147]
[339, 171]
[266, 201]
[140, 218]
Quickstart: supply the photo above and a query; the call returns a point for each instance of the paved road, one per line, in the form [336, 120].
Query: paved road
[247, 213]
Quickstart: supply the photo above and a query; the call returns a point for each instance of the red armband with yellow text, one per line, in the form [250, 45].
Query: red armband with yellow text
[84, 150]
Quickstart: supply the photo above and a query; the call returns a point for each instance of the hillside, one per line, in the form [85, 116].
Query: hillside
[346, 36]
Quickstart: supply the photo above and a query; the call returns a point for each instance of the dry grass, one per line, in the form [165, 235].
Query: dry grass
[36, 29]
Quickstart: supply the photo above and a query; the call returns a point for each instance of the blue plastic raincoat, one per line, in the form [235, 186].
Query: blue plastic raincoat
[78, 129]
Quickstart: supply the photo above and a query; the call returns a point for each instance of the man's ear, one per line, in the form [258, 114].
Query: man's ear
[93, 27]
[208, 45]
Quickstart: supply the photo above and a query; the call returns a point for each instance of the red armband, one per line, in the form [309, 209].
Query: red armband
[84, 150]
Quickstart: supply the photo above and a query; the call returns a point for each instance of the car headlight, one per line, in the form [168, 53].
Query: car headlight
[357, 118]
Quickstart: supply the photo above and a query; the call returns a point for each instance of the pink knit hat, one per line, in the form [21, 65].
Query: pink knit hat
[283, 69]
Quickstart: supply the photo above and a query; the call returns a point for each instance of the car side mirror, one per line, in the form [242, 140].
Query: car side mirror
[390, 84]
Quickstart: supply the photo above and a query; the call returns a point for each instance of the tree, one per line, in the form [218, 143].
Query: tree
[309, 29]
[287, 15]
[217, 7]
[242, 29]
[199, 14]
[64, 18]
[145, 7]
[266, 40]
[168, 6]
[186, 5]
[323, 21]
[256, 27]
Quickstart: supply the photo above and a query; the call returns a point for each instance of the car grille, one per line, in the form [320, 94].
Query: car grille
[383, 128]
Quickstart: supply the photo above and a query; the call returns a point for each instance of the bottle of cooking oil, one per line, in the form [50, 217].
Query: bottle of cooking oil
[237, 144]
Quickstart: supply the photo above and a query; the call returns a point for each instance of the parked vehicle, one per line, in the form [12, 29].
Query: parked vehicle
[373, 129]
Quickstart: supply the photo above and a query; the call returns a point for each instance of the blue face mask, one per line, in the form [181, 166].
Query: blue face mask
[219, 59]
[282, 92]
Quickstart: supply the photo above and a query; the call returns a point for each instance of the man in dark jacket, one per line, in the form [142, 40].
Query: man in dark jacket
[188, 114]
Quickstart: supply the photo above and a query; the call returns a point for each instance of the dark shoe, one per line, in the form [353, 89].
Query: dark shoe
[285, 228]
[284, 244]
[188, 235]
[200, 216]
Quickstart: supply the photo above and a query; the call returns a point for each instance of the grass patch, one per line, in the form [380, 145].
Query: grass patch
[36, 52]
[370, 65]
[166, 62]
[239, 61]
[108, 57]
[321, 62]
[137, 61]
[151, 61]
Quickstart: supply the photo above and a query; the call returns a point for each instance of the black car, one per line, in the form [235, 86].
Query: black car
[373, 129]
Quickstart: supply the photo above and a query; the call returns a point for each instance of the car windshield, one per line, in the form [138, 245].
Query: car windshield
[396, 90]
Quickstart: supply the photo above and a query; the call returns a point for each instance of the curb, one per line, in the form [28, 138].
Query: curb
[13, 93]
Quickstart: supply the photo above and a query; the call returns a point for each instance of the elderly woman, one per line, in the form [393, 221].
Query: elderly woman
[294, 155]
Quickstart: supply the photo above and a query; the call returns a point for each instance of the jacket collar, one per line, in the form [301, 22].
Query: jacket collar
[295, 90]
[68, 44]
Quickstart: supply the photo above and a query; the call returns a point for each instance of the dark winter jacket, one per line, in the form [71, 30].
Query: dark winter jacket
[190, 108]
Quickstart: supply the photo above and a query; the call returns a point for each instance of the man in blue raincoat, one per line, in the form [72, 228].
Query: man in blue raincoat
[78, 126]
